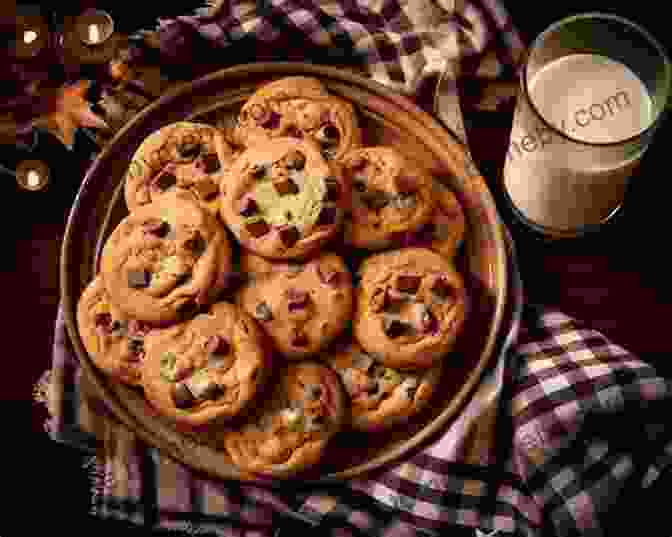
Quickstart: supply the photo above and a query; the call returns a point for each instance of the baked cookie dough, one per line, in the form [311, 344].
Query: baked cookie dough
[445, 231]
[183, 156]
[282, 199]
[294, 425]
[410, 308]
[301, 306]
[381, 397]
[299, 107]
[165, 259]
[114, 342]
[206, 369]
[389, 196]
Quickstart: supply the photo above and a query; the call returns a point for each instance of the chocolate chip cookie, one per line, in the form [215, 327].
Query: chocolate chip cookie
[302, 108]
[301, 306]
[207, 369]
[380, 396]
[282, 199]
[114, 342]
[410, 308]
[166, 259]
[291, 430]
[389, 196]
[445, 231]
[183, 156]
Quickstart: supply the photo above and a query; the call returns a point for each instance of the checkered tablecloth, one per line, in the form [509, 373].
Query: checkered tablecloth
[562, 424]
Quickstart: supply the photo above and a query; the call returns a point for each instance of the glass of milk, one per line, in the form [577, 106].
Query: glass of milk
[593, 89]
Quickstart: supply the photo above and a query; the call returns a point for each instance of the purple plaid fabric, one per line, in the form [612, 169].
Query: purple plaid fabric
[561, 424]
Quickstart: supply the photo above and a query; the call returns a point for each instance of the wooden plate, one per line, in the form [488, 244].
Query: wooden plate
[387, 118]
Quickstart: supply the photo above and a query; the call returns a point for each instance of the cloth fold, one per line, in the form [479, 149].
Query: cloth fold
[534, 450]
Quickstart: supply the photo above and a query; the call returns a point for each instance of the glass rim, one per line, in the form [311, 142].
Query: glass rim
[605, 16]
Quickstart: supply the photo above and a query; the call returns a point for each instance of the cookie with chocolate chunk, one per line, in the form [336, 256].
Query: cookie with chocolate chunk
[166, 259]
[380, 396]
[299, 107]
[115, 343]
[411, 307]
[207, 369]
[293, 426]
[390, 195]
[182, 156]
[301, 306]
[282, 199]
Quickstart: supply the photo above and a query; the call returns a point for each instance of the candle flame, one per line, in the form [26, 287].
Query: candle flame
[33, 178]
[94, 33]
[29, 36]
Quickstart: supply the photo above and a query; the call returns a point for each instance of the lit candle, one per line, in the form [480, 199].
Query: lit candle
[29, 36]
[94, 33]
[32, 174]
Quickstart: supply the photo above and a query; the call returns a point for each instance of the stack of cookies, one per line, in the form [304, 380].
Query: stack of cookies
[301, 342]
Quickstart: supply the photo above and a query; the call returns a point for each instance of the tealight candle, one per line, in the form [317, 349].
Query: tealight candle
[32, 34]
[32, 174]
[94, 26]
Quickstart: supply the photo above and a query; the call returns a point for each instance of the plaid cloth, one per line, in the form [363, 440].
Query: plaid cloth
[536, 448]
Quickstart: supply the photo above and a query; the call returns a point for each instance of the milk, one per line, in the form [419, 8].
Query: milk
[565, 185]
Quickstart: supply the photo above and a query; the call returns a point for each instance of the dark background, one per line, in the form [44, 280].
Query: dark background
[617, 282]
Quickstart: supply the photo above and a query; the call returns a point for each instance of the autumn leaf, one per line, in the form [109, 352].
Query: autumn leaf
[68, 111]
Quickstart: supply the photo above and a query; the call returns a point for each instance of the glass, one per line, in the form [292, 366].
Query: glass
[593, 90]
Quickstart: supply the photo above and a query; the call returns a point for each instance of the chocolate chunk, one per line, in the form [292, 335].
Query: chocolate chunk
[206, 189]
[408, 284]
[160, 228]
[361, 360]
[187, 309]
[441, 289]
[136, 345]
[375, 199]
[211, 163]
[119, 328]
[263, 312]
[259, 171]
[201, 386]
[138, 279]
[300, 339]
[249, 207]
[294, 132]
[395, 328]
[217, 345]
[189, 148]
[289, 236]
[327, 216]
[328, 135]
[295, 160]
[182, 397]
[196, 244]
[273, 121]
[165, 180]
[181, 279]
[328, 152]
[360, 186]
[286, 186]
[332, 190]
[103, 319]
[312, 391]
[257, 228]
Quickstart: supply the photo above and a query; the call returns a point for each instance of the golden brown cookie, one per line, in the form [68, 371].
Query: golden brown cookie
[381, 397]
[183, 156]
[166, 258]
[291, 430]
[301, 306]
[282, 199]
[114, 342]
[390, 195]
[445, 231]
[207, 369]
[299, 107]
[410, 307]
